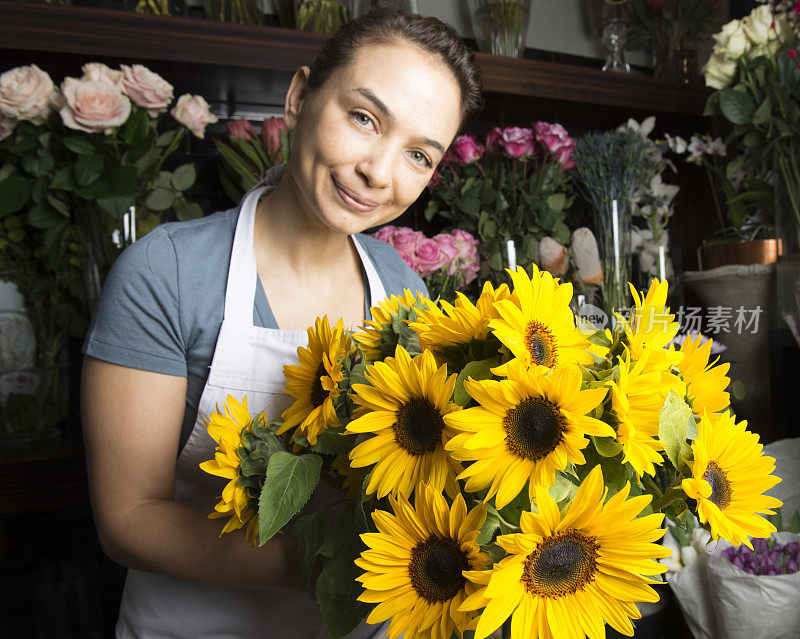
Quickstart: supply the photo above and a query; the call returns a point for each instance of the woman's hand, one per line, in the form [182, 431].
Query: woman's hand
[132, 424]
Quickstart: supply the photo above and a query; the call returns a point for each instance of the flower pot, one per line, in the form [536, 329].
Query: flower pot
[711, 256]
[724, 291]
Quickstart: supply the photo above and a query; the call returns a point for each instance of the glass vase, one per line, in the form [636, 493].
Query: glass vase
[615, 35]
[613, 224]
[323, 16]
[787, 224]
[675, 59]
[500, 26]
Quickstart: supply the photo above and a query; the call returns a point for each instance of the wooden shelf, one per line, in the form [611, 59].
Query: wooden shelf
[102, 32]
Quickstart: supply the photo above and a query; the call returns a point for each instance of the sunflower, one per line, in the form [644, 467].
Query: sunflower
[459, 323]
[637, 399]
[537, 324]
[729, 476]
[226, 427]
[315, 382]
[378, 337]
[564, 576]
[706, 383]
[651, 327]
[526, 428]
[415, 561]
[405, 401]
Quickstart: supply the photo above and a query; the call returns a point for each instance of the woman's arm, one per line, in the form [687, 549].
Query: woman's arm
[132, 422]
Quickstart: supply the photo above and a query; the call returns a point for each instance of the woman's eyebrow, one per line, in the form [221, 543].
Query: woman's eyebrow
[381, 106]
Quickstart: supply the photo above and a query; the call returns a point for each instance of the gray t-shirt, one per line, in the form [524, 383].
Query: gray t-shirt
[163, 301]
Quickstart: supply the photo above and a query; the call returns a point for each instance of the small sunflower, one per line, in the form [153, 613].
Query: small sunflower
[706, 383]
[226, 428]
[651, 327]
[537, 324]
[566, 575]
[637, 399]
[415, 562]
[729, 476]
[406, 402]
[315, 382]
[379, 336]
[459, 323]
[526, 428]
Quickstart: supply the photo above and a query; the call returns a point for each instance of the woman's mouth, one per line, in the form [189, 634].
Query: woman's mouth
[353, 200]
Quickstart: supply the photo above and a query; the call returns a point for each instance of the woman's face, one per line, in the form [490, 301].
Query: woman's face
[368, 140]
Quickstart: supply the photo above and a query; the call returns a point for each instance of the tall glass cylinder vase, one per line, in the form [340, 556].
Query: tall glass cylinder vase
[613, 224]
[787, 224]
[500, 26]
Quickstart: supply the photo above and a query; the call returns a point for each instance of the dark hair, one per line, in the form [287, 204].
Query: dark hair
[384, 26]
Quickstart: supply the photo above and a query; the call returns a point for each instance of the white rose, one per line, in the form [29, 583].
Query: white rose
[7, 126]
[27, 93]
[757, 25]
[193, 112]
[732, 41]
[147, 89]
[93, 106]
[99, 72]
[719, 71]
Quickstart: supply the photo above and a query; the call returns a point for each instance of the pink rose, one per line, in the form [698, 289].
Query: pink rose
[494, 140]
[193, 112]
[99, 72]
[466, 244]
[517, 142]
[93, 106]
[554, 139]
[385, 233]
[7, 126]
[429, 256]
[241, 129]
[466, 149]
[406, 240]
[27, 93]
[147, 89]
[448, 250]
[271, 137]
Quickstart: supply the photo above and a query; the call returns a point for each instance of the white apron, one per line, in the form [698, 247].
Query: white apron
[248, 360]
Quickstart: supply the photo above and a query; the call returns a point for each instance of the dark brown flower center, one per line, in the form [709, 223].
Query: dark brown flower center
[318, 394]
[540, 344]
[435, 569]
[721, 492]
[418, 426]
[534, 428]
[561, 565]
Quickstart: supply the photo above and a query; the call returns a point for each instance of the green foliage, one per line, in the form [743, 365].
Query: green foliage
[673, 429]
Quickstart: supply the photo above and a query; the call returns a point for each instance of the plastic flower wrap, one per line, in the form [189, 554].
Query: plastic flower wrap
[505, 466]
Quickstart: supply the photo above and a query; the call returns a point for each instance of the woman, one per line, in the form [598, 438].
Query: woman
[196, 311]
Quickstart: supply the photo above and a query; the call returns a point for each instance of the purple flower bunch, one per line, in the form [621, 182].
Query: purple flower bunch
[454, 254]
[768, 557]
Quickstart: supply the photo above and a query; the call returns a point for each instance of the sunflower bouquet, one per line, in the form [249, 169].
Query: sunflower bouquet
[497, 464]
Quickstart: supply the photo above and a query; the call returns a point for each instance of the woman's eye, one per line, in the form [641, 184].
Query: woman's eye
[420, 158]
[362, 118]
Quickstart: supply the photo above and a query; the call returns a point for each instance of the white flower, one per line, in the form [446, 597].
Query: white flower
[7, 126]
[676, 144]
[27, 93]
[688, 555]
[719, 70]
[758, 25]
[731, 41]
[99, 72]
[193, 112]
[697, 147]
[661, 191]
[644, 129]
[673, 562]
[717, 147]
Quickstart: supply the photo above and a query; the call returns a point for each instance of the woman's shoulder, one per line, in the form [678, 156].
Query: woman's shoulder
[395, 274]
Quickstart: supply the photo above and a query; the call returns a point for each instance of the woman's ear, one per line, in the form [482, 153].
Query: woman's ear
[296, 97]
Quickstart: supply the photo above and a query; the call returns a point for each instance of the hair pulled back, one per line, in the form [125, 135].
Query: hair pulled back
[386, 26]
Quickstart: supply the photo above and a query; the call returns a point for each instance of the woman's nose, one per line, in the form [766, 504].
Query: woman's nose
[376, 166]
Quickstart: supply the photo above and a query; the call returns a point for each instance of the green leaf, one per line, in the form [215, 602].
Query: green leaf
[556, 202]
[88, 168]
[134, 132]
[763, 112]
[736, 106]
[14, 194]
[233, 161]
[116, 206]
[165, 138]
[184, 176]
[78, 144]
[476, 370]
[310, 532]
[338, 590]
[331, 442]
[488, 529]
[794, 524]
[43, 217]
[289, 483]
[160, 199]
[673, 427]
[248, 149]
[62, 179]
[338, 534]
[607, 446]
[58, 205]
[53, 234]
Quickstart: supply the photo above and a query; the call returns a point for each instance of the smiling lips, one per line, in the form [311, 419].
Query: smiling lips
[353, 200]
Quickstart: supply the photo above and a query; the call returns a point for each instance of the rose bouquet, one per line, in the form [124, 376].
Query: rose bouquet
[510, 192]
[246, 156]
[447, 262]
[501, 466]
